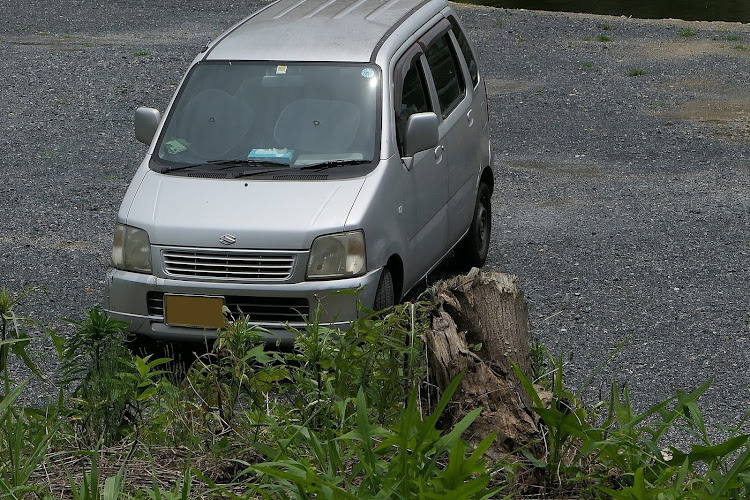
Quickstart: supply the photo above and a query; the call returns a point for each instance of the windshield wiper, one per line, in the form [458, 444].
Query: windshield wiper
[225, 164]
[241, 162]
[167, 168]
[333, 164]
[250, 173]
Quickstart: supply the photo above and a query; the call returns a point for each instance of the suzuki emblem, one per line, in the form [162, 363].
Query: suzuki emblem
[228, 239]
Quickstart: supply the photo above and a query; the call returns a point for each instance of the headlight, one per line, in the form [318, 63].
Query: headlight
[340, 255]
[131, 249]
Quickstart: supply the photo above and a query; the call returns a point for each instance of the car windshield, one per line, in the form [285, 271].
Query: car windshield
[246, 116]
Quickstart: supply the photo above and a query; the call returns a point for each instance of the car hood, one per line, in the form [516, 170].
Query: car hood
[280, 215]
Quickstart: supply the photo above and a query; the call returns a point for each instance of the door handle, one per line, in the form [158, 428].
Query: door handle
[470, 117]
[439, 153]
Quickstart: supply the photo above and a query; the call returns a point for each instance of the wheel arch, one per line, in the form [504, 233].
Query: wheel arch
[488, 177]
[396, 266]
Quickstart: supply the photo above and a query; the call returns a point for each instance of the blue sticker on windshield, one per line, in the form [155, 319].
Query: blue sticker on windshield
[368, 72]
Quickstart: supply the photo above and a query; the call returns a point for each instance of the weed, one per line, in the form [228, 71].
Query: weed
[96, 360]
[13, 337]
[519, 38]
[616, 451]
[372, 461]
[603, 38]
[740, 48]
[734, 38]
[45, 154]
[377, 354]
[140, 53]
[149, 384]
[341, 416]
[237, 366]
[687, 32]
[606, 27]
[24, 445]
[587, 64]
[636, 71]
[89, 487]
[540, 362]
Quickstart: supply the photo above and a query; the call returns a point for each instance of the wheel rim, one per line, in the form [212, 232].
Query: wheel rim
[483, 228]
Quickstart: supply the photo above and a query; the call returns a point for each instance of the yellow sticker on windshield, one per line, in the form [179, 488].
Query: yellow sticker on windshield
[281, 70]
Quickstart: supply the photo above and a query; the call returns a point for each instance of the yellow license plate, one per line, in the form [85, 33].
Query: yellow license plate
[193, 311]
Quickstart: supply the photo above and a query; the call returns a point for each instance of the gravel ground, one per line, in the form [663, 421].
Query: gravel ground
[622, 202]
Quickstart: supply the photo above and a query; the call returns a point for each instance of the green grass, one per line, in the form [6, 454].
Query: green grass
[140, 53]
[587, 64]
[687, 32]
[45, 154]
[734, 38]
[636, 71]
[343, 415]
[740, 48]
[603, 38]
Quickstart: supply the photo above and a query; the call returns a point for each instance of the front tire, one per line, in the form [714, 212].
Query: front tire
[385, 295]
[472, 250]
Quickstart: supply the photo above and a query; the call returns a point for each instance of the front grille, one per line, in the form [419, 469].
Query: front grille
[155, 304]
[244, 266]
[263, 309]
[257, 309]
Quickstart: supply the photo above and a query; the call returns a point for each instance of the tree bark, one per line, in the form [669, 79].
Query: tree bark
[479, 324]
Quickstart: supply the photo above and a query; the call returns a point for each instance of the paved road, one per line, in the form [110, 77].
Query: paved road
[622, 202]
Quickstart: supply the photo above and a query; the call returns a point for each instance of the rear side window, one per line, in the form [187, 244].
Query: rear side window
[446, 74]
[463, 44]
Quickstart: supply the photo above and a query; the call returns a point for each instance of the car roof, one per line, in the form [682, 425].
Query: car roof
[320, 30]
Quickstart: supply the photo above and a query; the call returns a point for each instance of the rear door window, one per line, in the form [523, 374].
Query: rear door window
[446, 74]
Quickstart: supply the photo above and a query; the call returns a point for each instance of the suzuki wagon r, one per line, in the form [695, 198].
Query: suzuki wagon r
[314, 147]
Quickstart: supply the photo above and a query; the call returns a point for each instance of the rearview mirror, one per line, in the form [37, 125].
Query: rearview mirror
[146, 122]
[421, 133]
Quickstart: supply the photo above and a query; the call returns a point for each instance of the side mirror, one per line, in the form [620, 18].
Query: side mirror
[146, 122]
[421, 133]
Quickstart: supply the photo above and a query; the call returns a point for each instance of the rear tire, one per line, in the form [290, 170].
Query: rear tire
[384, 296]
[472, 250]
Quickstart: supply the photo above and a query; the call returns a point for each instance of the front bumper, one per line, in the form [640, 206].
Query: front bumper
[134, 298]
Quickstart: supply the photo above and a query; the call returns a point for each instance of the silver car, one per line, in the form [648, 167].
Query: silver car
[316, 147]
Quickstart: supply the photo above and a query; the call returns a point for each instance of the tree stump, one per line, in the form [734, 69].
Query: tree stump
[479, 324]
